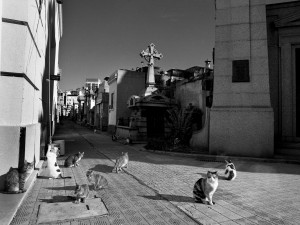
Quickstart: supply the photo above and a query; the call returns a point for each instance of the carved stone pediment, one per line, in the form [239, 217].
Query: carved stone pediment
[290, 20]
[156, 98]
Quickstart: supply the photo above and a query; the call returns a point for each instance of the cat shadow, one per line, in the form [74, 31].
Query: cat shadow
[69, 188]
[64, 188]
[58, 198]
[174, 198]
[44, 177]
[102, 168]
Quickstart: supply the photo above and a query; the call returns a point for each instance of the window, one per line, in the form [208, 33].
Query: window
[112, 100]
[240, 71]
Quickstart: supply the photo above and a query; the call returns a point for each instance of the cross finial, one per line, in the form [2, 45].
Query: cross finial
[150, 54]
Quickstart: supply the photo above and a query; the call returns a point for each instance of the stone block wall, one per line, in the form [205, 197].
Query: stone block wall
[242, 119]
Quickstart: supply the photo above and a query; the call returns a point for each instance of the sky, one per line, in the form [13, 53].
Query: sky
[101, 36]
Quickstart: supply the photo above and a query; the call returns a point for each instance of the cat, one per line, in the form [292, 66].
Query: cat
[52, 169]
[230, 171]
[73, 160]
[122, 161]
[16, 178]
[81, 192]
[114, 137]
[204, 188]
[98, 180]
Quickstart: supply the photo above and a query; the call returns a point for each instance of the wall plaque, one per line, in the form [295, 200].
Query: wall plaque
[240, 71]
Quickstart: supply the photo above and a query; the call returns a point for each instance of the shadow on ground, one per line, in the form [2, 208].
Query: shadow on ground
[58, 198]
[102, 168]
[174, 198]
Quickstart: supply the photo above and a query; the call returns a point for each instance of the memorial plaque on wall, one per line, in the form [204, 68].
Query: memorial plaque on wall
[240, 71]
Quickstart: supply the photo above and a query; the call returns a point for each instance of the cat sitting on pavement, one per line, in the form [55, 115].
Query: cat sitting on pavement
[16, 178]
[81, 193]
[96, 179]
[204, 188]
[72, 160]
[230, 171]
[52, 169]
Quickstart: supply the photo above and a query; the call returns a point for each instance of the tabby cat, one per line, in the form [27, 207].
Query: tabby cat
[81, 192]
[121, 162]
[73, 160]
[16, 178]
[230, 171]
[204, 188]
[98, 180]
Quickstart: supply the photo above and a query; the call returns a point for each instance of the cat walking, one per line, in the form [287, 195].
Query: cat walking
[72, 160]
[230, 171]
[16, 178]
[96, 179]
[204, 188]
[121, 162]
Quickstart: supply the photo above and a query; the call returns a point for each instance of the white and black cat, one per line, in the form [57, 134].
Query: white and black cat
[96, 179]
[230, 171]
[73, 160]
[204, 188]
[52, 169]
[121, 162]
[16, 178]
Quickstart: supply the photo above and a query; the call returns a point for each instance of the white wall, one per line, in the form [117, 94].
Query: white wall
[23, 38]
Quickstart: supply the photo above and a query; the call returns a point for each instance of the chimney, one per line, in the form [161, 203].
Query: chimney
[207, 64]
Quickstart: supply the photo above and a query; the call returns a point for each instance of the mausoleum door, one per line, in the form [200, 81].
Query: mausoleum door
[290, 88]
[155, 123]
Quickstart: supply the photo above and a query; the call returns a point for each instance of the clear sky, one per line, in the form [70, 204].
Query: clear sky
[101, 36]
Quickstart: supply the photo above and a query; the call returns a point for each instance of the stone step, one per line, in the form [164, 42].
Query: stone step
[288, 149]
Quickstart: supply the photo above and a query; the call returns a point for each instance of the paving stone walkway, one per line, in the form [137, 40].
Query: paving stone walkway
[157, 189]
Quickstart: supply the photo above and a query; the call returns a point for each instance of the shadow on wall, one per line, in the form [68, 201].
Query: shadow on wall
[2, 181]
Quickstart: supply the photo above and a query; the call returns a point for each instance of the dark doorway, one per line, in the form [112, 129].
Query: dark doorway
[22, 142]
[297, 72]
[155, 123]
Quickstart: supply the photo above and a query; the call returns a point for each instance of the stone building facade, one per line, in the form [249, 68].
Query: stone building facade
[29, 44]
[122, 84]
[255, 93]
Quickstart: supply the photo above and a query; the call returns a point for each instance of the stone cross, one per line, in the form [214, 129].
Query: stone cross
[150, 54]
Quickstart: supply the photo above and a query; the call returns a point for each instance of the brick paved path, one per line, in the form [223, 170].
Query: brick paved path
[157, 189]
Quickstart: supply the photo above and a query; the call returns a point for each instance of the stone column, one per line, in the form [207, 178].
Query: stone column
[241, 117]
